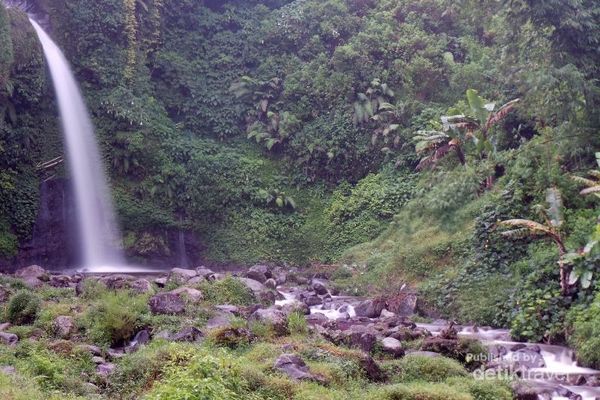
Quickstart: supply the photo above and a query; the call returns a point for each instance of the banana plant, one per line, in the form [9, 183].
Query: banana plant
[593, 182]
[368, 103]
[551, 227]
[461, 128]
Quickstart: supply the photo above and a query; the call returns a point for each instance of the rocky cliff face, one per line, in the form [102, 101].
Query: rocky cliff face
[54, 240]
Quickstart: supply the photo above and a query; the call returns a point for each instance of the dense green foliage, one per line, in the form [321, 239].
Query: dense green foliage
[22, 307]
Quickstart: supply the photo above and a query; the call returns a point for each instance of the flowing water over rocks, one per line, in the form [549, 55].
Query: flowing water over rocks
[540, 371]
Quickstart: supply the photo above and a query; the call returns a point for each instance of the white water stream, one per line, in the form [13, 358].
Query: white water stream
[558, 375]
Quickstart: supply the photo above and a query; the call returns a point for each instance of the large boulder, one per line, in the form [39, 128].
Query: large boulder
[189, 334]
[319, 286]
[403, 304]
[369, 308]
[260, 291]
[272, 317]
[192, 295]
[180, 276]
[33, 276]
[167, 303]
[33, 271]
[64, 326]
[60, 281]
[117, 281]
[392, 346]
[204, 272]
[294, 367]
[142, 286]
[262, 269]
[8, 338]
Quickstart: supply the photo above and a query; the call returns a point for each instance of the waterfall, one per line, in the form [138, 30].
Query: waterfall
[98, 233]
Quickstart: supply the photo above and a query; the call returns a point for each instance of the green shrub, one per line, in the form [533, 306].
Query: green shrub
[483, 389]
[204, 375]
[93, 289]
[114, 317]
[418, 391]
[296, 323]
[227, 291]
[23, 307]
[429, 369]
[585, 338]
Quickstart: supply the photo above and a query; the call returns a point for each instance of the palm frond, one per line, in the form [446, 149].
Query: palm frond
[532, 226]
[593, 189]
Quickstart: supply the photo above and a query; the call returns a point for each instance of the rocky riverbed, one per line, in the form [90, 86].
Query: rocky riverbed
[377, 328]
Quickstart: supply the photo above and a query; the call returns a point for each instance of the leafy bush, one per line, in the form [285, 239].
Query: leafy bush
[204, 375]
[429, 369]
[585, 336]
[227, 291]
[114, 317]
[23, 307]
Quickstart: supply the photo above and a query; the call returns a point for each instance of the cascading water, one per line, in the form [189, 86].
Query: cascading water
[98, 231]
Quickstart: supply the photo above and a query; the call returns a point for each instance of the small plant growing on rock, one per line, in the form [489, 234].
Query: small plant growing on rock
[296, 323]
[23, 307]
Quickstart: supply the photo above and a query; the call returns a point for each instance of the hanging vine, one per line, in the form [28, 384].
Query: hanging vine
[131, 26]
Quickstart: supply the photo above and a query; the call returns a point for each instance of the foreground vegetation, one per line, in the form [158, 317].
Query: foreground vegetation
[50, 362]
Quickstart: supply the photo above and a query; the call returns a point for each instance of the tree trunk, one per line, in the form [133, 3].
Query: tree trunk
[565, 269]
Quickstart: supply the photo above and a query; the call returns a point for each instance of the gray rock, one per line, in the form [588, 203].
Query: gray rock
[369, 308]
[221, 320]
[392, 346]
[88, 348]
[4, 294]
[260, 291]
[4, 326]
[204, 272]
[166, 303]
[271, 284]
[98, 360]
[64, 326]
[142, 337]
[190, 294]
[197, 280]
[180, 276]
[117, 281]
[33, 271]
[271, 316]
[313, 300]
[105, 369]
[189, 334]
[294, 367]
[319, 286]
[387, 314]
[60, 281]
[9, 338]
[257, 276]
[142, 286]
[235, 310]
[8, 370]
[262, 269]
[161, 282]
[403, 304]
